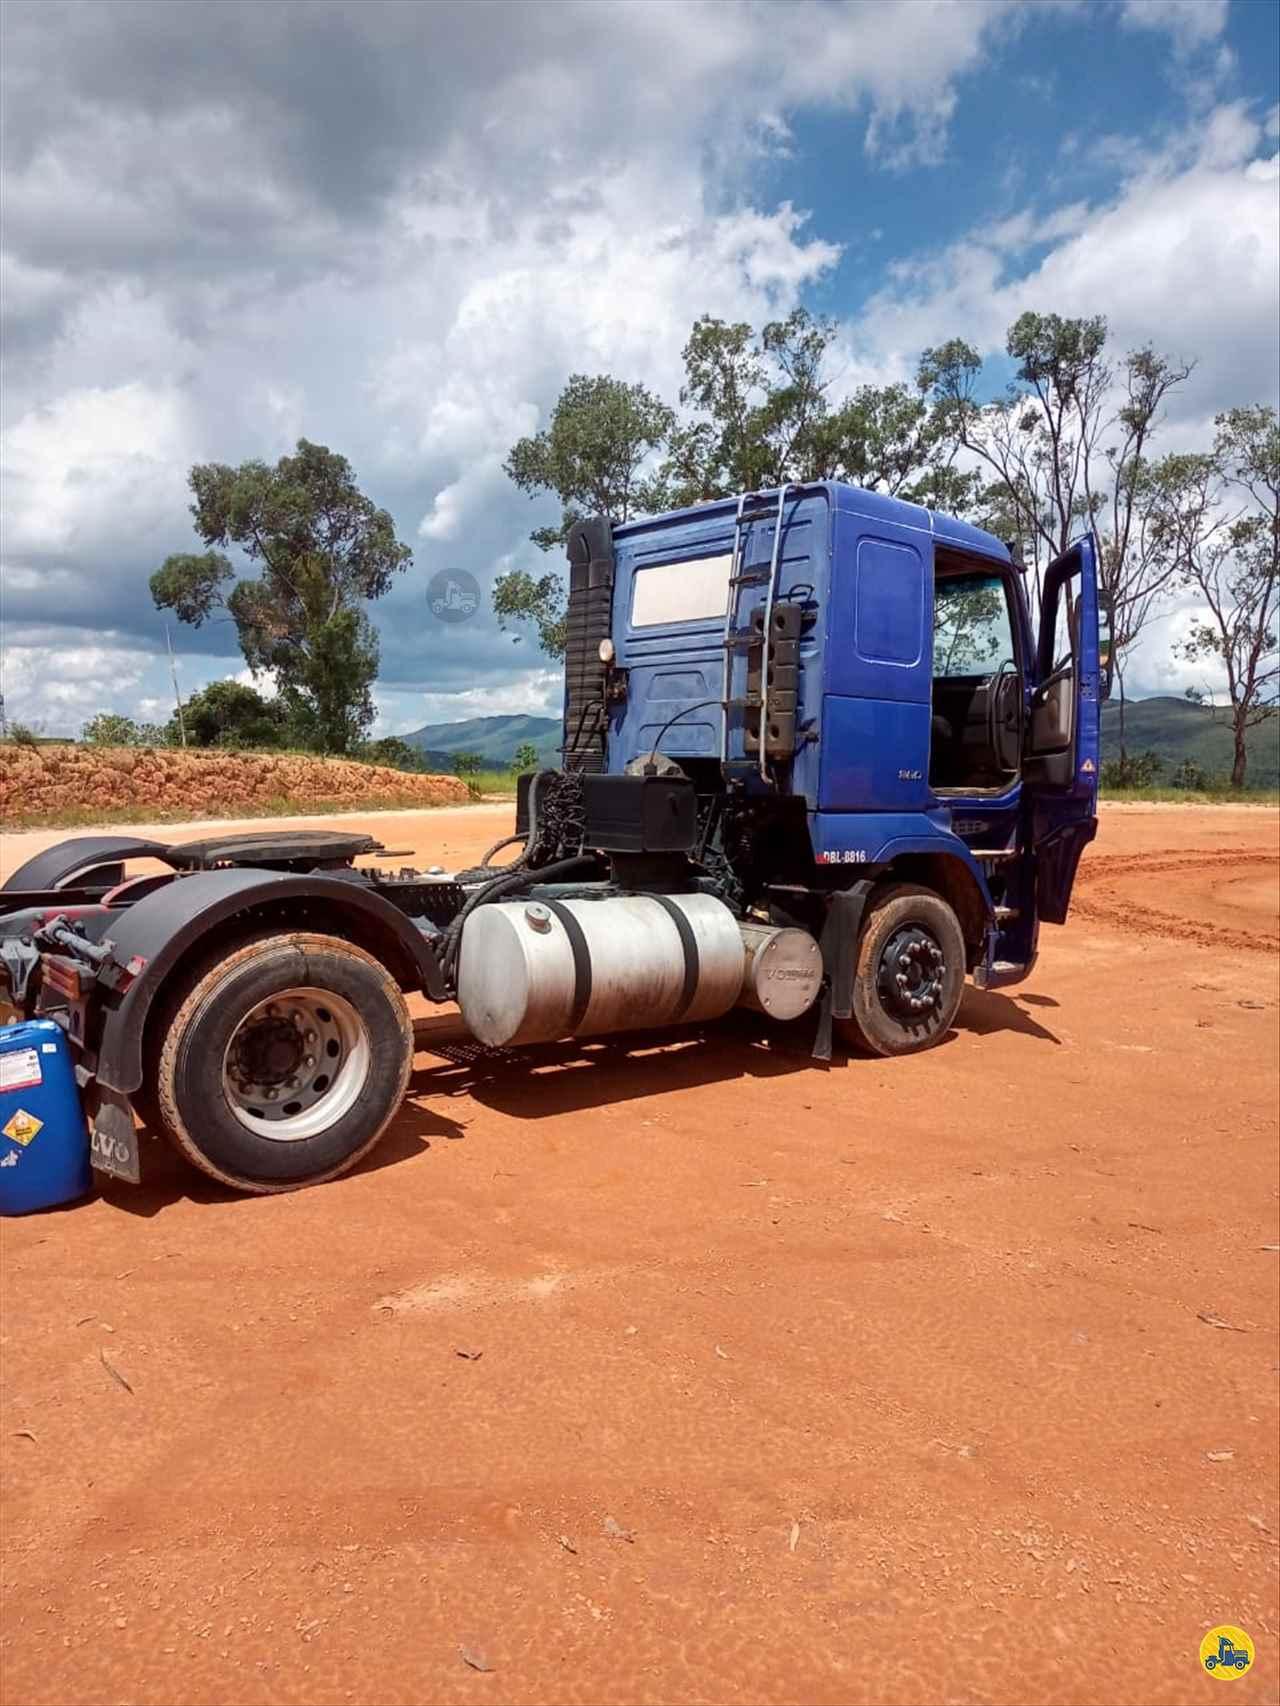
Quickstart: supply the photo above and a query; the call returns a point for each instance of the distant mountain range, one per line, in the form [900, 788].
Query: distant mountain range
[1178, 729]
[495, 740]
[1175, 728]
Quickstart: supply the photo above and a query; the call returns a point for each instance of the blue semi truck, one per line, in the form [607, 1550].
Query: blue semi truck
[820, 759]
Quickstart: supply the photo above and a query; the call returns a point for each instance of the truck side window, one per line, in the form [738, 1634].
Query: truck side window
[971, 633]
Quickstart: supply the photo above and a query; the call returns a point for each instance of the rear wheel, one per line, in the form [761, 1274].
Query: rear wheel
[282, 1064]
[910, 973]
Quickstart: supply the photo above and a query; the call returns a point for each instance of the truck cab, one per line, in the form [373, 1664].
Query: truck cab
[910, 712]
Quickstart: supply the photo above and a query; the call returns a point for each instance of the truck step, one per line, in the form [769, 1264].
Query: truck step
[999, 972]
[1006, 914]
[996, 854]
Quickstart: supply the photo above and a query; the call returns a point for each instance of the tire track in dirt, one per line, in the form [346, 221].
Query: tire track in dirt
[1110, 891]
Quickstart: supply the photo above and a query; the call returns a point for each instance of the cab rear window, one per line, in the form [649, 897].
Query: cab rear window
[666, 594]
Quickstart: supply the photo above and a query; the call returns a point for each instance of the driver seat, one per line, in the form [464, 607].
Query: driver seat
[946, 757]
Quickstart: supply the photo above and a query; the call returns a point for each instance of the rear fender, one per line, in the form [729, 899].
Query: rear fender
[82, 854]
[158, 936]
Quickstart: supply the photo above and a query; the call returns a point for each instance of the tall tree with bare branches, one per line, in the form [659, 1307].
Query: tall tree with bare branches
[1218, 518]
[1067, 446]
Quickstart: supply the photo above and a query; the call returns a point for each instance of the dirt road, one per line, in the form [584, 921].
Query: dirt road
[690, 1372]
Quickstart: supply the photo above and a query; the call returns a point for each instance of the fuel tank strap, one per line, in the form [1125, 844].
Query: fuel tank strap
[689, 942]
[581, 962]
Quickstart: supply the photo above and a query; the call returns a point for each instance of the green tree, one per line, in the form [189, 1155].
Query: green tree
[754, 403]
[1219, 520]
[323, 550]
[754, 412]
[391, 750]
[526, 758]
[110, 729]
[519, 596]
[593, 453]
[761, 413]
[468, 765]
[591, 457]
[1133, 770]
[230, 713]
[893, 439]
[1190, 775]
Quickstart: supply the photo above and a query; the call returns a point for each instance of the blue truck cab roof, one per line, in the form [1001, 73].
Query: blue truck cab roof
[848, 499]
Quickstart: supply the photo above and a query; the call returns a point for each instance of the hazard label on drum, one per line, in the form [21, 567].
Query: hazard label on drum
[21, 1127]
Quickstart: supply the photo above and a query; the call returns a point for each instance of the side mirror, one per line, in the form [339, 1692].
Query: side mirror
[1106, 645]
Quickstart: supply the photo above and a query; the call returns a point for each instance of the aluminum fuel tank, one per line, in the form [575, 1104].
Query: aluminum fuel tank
[535, 970]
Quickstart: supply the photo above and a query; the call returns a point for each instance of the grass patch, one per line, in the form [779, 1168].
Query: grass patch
[1225, 796]
[283, 806]
[491, 785]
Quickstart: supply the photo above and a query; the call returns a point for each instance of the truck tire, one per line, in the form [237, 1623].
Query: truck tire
[910, 973]
[281, 1064]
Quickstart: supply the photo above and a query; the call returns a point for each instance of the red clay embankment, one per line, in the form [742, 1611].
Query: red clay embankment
[85, 783]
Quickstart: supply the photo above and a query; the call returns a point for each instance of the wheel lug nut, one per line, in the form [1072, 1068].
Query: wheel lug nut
[904, 960]
[309, 1036]
[310, 1060]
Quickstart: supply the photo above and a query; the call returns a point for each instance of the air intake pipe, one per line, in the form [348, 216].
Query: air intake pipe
[588, 621]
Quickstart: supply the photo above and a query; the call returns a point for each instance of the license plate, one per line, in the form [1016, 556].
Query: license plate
[113, 1145]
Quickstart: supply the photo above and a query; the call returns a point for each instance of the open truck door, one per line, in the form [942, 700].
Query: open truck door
[1063, 752]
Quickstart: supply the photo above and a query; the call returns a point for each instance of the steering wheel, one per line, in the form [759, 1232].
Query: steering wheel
[994, 684]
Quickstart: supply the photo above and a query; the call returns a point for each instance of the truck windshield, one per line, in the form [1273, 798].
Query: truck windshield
[971, 634]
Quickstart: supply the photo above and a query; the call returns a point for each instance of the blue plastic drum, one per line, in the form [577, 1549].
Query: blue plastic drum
[44, 1141]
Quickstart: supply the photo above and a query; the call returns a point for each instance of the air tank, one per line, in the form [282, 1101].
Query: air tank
[536, 970]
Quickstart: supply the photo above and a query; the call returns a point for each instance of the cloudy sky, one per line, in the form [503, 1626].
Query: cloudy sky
[397, 228]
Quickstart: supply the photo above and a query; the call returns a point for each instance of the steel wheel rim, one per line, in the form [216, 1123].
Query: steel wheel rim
[912, 974]
[296, 1064]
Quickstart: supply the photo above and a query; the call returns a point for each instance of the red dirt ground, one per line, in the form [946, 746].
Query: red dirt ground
[690, 1372]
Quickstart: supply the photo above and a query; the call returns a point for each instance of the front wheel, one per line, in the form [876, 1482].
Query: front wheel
[910, 973]
[282, 1063]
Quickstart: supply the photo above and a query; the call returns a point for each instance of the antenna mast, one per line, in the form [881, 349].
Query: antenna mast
[177, 697]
